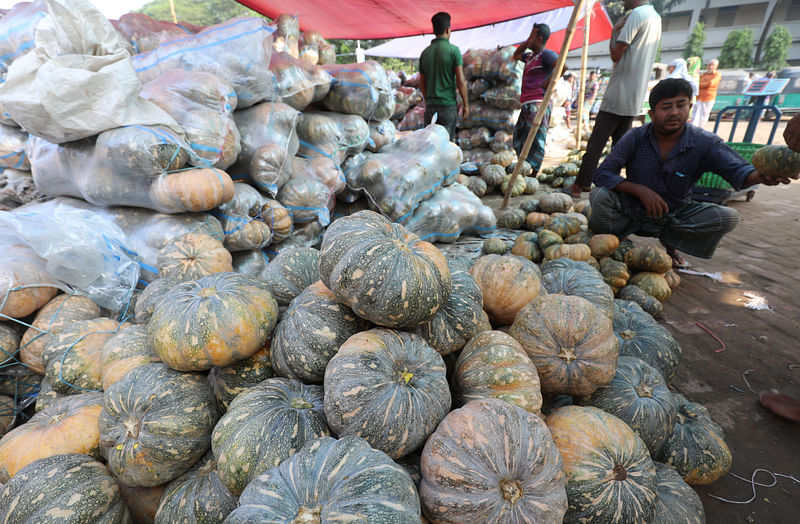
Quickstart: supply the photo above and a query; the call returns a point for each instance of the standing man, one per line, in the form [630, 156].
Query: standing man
[539, 64]
[589, 95]
[440, 72]
[709, 82]
[633, 46]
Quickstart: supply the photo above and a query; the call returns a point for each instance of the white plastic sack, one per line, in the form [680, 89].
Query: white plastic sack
[451, 211]
[78, 80]
[17, 29]
[238, 50]
[203, 105]
[12, 148]
[145, 33]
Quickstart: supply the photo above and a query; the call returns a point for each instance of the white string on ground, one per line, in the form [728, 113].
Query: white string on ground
[753, 484]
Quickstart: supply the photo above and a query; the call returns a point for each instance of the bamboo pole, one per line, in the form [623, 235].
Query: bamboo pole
[172, 10]
[582, 88]
[537, 120]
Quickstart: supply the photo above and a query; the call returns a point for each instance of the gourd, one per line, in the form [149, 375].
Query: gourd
[310, 332]
[265, 425]
[615, 273]
[696, 448]
[228, 381]
[571, 343]
[610, 476]
[503, 158]
[494, 246]
[555, 203]
[646, 301]
[213, 321]
[638, 396]
[477, 185]
[517, 189]
[71, 488]
[9, 343]
[527, 246]
[583, 281]
[492, 174]
[155, 423]
[579, 252]
[642, 337]
[193, 255]
[603, 245]
[777, 161]
[507, 283]
[124, 351]
[494, 365]
[534, 220]
[549, 238]
[8, 413]
[458, 321]
[331, 480]
[68, 425]
[385, 273]
[289, 273]
[677, 502]
[147, 300]
[531, 185]
[388, 387]
[191, 190]
[653, 284]
[648, 258]
[563, 224]
[278, 219]
[491, 461]
[510, 218]
[525, 169]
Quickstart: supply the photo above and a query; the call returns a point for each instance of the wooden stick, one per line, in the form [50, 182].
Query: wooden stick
[537, 120]
[582, 88]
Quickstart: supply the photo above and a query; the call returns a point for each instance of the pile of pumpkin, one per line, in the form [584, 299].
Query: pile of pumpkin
[374, 380]
[495, 175]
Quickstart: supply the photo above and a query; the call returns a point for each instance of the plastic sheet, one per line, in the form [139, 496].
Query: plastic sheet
[77, 80]
[323, 169]
[473, 138]
[237, 50]
[203, 106]
[307, 199]
[241, 220]
[451, 211]
[82, 249]
[331, 135]
[269, 141]
[145, 33]
[413, 120]
[406, 172]
[492, 117]
[381, 133]
[12, 148]
[298, 83]
[287, 35]
[129, 166]
[360, 89]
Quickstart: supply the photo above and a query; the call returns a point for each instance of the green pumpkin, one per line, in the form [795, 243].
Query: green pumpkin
[494, 246]
[310, 332]
[622, 249]
[511, 218]
[9, 343]
[564, 263]
[556, 202]
[529, 206]
[212, 321]
[265, 425]
[150, 296]
[491, 461]
[494, 365]
[677, 502]
[653, 284]
[492, 174]
[458, 321]
[615, 273]
[69, 489]
[388, 387]
[331, 480]
[155, 423]
[549, 238]
[46, 395]
[125, 350]
[525, 168]
[517, 189]
[197, 496]
[477, 185]
[289, 273]
[563, 224]
[587, 284]
[385, 273]
[581, 237]
[648, 258]
[527, 246]
[228, 381]
[778, 161]
[646, 301]
[531, 185]
[638, 396]
[557, 181]
[696, 449]
[642, 337]
[610, 476]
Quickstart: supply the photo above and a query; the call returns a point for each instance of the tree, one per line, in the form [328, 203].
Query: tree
[737, 50]
[694, 46]
[776, 48]
[198, 12]
[346, 54]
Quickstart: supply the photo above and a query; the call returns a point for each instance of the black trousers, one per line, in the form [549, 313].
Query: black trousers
[605, 125]
[447, 117]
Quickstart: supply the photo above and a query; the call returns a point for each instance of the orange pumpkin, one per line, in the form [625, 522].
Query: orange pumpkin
[579, 252]
[191, 190]
[648, 258]
[23, 282]
[535, 220]
[124, 351]
[507, 282]
[673, 279]
[278, 219]
[193, 255]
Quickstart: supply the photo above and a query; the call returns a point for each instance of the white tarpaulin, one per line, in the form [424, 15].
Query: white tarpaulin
[500, 34]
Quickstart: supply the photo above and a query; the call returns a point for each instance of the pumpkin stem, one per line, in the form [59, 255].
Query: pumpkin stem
[644, 390]
[300, 403]
[567, 355]
[132, 428]
[308, 515]
[627, 334]
[406, 376]
[511, 490]
[620, 473]
[207, 292]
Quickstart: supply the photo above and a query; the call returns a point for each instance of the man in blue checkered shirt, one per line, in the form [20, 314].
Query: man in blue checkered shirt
[662, 162]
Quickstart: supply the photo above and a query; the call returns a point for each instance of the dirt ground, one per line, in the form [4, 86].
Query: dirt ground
[761, 347]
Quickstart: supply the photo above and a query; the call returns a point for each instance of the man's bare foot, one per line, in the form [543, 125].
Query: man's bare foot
[780, 404]
[575, 190]
[678, 261]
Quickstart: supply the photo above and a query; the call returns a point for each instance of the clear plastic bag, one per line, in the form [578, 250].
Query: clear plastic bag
[492, 117]
[478, 155]
[451, 211]
[145, 33]
[237, 50]
[307, 199]
[473, 138]
[297, 82]
[327, 53]
[381, 133]
[25, 285]
[332, 135]
[504, 96]
[404, 99]
[12, 148]
[323, 169]
[406, 172]
[413, 120]
[477, 87]
[242, 220]
[269, 141]
[473, 61]
[129, 166]
[287, 35]
[500, 66]
[17, 29]
[360, 89]
[203, 105]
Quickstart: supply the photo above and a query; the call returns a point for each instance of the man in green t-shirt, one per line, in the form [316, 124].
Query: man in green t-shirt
[440, 71]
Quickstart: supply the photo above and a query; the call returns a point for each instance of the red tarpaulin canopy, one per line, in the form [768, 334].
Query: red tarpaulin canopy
[367, 19]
